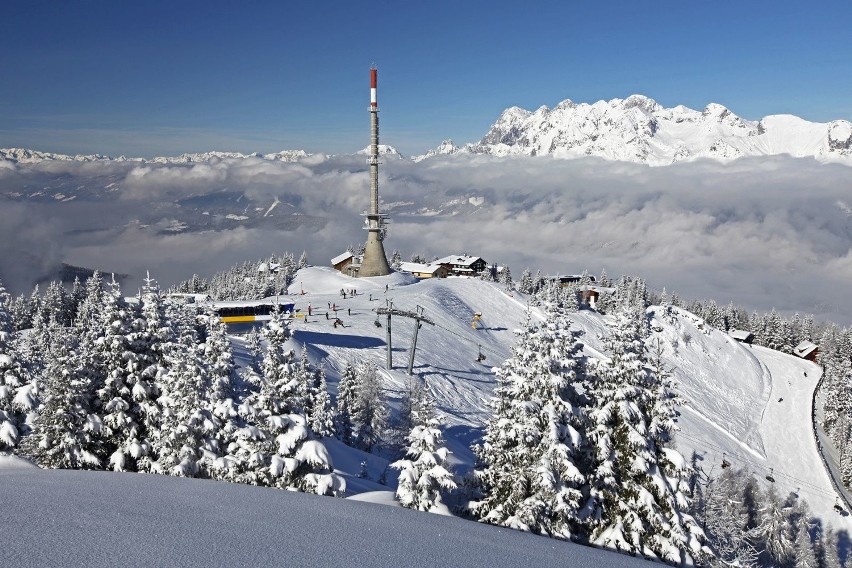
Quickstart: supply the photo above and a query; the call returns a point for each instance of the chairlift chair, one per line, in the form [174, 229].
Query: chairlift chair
[770, 477]
[725, 463]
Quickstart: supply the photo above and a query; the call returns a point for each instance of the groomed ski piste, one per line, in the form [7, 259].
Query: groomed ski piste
[749, 406]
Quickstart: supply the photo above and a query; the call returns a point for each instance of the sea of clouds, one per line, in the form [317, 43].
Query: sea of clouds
[761, 232]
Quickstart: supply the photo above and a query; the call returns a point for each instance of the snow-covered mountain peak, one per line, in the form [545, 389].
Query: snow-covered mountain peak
[566, 104]
[641, 102]
[384, 150]
[638, 129]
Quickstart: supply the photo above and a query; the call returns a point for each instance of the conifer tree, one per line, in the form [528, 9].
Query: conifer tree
[64, 426]
[804, 551]
[774, 531]
[725, 521]
[530, 464]
[526, 284]
[347, 404]
[275, 446]
[119, 362]
[322, 417]
[425, 474]
[12, 380]
[180, 440]
[371, 417]
[637, 498]
[506, 278]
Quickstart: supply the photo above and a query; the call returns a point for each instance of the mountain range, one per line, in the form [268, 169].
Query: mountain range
[636, 129]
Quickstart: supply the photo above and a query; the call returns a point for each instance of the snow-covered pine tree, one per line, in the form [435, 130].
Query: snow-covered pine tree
[64, 427]
[506, 278]
[180, 440]
[396, 260]
[371, 419]
[275, 446]
[805, 555]
[321, 419]
[774, 532]
[489, 274]
[725, 521]
[303, 260]
[218, 399]
[636, 503]
[150, 337]
[20, 313]
[413, 398]
[525, 286]
[347, 404]
[12, 380]
[530, 463]
[307, 384]
[425, 473]
[538, 281]
[665, 304]
[117, 360]
[92, 299]
[830, 549]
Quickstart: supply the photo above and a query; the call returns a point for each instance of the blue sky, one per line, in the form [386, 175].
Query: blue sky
[158, 78]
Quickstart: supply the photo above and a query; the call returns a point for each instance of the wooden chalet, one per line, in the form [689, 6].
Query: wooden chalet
[742, 336]
[463, 265]
[347, 263]
[806, 350]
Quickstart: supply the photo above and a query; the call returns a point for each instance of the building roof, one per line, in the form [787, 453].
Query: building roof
[459, 260]
[804, 349]
[419, 267]
[341, 257]
[740, 335]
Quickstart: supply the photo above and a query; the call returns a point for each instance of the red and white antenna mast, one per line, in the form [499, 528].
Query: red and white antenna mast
[375, 263]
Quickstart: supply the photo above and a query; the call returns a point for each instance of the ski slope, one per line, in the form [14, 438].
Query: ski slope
[730, 391]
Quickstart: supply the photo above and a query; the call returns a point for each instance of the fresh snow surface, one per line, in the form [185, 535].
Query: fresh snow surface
[72, 518]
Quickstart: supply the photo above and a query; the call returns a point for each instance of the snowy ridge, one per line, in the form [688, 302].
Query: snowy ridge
[27, 156]
[638, 129]
[384, 150]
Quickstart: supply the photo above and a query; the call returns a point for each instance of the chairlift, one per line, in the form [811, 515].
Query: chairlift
[480, 358]
[769, 477]
[377, 323]
[725, 463]
[837, 506]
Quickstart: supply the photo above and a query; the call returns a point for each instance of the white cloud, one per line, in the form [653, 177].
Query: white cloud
[769, 232]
